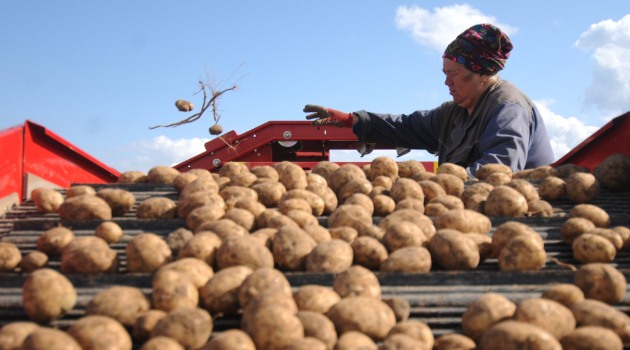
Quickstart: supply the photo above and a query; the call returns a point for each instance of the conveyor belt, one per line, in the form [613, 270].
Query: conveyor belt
[438, 298]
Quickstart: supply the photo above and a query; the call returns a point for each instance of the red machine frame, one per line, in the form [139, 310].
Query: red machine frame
[276, 141]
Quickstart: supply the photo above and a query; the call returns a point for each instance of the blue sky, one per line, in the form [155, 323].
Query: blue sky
[99, 74]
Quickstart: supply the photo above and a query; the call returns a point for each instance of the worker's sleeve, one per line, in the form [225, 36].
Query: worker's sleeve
[418, 130]
[506, 138]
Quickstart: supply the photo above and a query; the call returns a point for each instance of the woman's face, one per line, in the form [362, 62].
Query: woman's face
[465, 86]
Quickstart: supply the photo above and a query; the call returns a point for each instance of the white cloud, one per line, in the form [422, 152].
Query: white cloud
[564, 132]
[144, 154]
[435, 30]
[609, 42]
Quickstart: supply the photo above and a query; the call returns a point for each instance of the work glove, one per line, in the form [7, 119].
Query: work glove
[328, 116]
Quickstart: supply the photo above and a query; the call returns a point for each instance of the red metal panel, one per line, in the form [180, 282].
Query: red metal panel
[612, 138]
[11, 148]
[54, 159]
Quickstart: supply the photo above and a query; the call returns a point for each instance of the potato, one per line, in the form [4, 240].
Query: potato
[624, 233]
[441, 204]
[357, 281]
[547, 314]
[363, 200]
[486, 311]
[12, 335]
[327, 194]
[464, 220]
[453, 169]
[162, 174]
[10, 256]
[145, 322]
[53, 240]
[431, 189]
[109, 231]
[161, 343]
[498, 179]
[88, 255]
[220, 294]
[77, 190]
[541, 172]
[33, 261]
[318, 326]
[488, 169]
[401, 341]
[132, 177]
[47, 295]
[360, 185]
[85, 207]
[262, 280]
[231, 339]
[423, 221]
[383, 166]
[408, 260]
[265, 171]
[567, 294]
[368, 315]
[269, 193]
[590, 248]
[351, 340]
[244, 179]
[177, 239]
[230, 169]
[122, 303]
[171, 289]
[609, 234]
[582, 187]
[344, 174]
[509, 230]
[522, 253]
[315, 202]
[332, 256]
[483, 243]
[368, 252]
[563, 171]
[352, 215]
[404, 234]
[375, 231]
[601, 282]
[591, 338]
[591, 312]
[525, 188]
[243, 250]
[453, 250]
[121, 201]
[291, 175]
[232, 194]
[452, 184]
[552, 188]
[196, 269]
[191, 327]
[201, 184]
[505, 201]
[100, 332]
[197, 199]
[612, 172]
[146, 252]
[539, 208]
[204, 246]
[157, 208]
[45, 338]
[325, 168]
[478, 188]
[400, 306]
[518, 335]
[410, 203]
[181, 180]
[47, 200]
[416, 330]
[286, 205]
[591, 212]
[314, 297]
[275, 329]
[410, 167]
[385, 182]
[574, 227]
[404, 188]
[383, 205]
[454, 341]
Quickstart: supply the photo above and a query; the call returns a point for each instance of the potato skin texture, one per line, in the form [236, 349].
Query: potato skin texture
[485, 312]
[518, 335]
[368, 315]
[47, 295]
[582, 187]
[591, 338]
[601, 282]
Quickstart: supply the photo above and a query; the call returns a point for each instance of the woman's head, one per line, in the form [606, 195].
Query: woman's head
[471, 62]
[482, 48]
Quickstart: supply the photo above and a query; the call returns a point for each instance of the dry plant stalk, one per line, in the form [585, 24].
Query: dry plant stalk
[207, 103]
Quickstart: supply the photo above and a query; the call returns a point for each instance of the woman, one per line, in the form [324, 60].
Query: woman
[489, 120]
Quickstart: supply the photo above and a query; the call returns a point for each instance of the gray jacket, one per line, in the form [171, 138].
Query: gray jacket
[505, 127]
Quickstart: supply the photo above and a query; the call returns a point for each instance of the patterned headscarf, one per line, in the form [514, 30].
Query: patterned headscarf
[482, 48]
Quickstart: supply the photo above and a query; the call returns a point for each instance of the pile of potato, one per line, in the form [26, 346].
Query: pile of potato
[244, 228]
